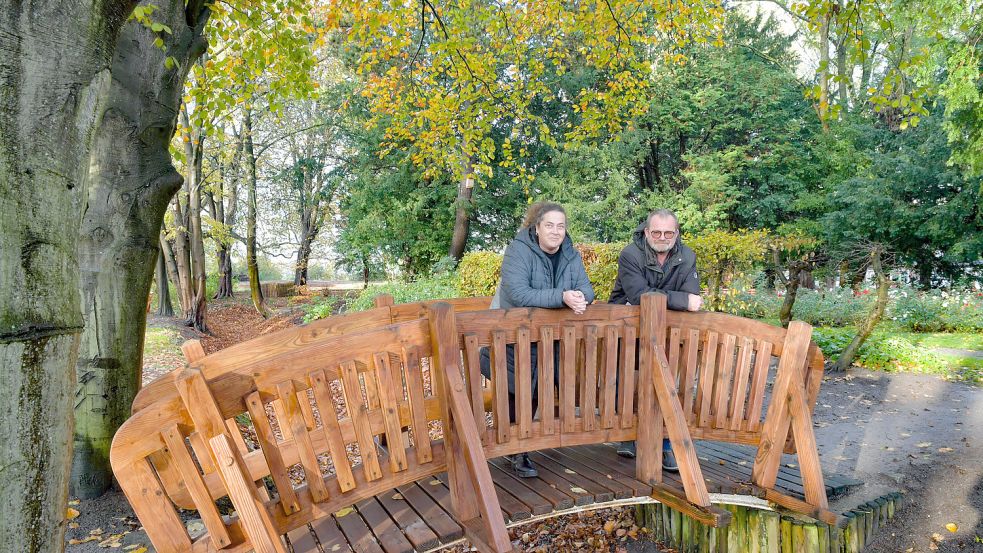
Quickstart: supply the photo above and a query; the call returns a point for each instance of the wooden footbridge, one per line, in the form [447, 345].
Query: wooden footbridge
[375, 431]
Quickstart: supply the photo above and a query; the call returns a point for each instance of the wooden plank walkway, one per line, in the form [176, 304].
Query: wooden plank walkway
[571, 479]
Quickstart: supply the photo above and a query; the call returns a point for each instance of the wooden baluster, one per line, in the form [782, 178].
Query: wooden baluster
[302, 441]
[608, 379]
[472, 360]
[704, 392]
[688, 379]
[568, 379]
[741, 377]
[388, 398]
[626, 376]
[523, 383]
[332, 430]
[588, 381]
[267, 443]
[722, 381]
[547, 385]
[359, 414]
[500, 386]
[762, 361]
[418, 409]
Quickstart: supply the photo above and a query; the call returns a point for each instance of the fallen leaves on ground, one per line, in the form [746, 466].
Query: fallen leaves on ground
[601, 530]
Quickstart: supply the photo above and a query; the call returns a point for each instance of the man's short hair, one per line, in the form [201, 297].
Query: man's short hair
[664, 213]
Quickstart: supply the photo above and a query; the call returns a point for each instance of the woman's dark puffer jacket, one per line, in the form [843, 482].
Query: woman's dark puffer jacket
[527, 274]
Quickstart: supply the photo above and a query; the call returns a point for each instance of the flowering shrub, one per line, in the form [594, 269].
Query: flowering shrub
[939, 310]
[818, 308]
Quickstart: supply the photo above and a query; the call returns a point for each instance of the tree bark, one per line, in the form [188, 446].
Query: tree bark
[225, 285]
[131, 180]
[55, 69]
[199, 300]
[168, 253]
[462, 214]
[873, 318]
[791, 292]
[164, 307]
[255, 290]
[182, 257]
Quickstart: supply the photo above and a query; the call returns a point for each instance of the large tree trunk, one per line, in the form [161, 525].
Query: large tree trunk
[225, 285]
[181, 246]
[874, 317]
[252, 267]
[199, 300]
[54, 67]
[168, 252]
[303, 258]
[310, 227]
[131, 180]
[462, 215]
[164, 307]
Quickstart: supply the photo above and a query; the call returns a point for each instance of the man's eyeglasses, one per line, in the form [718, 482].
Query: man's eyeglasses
[667, 234]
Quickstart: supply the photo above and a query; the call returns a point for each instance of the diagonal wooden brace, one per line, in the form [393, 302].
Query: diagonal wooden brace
[789, 409]
[469, 479]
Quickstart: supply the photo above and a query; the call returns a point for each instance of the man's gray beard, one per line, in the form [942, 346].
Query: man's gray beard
[661, 248]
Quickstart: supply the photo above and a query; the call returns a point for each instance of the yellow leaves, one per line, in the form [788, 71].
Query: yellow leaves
[71, 514]
[344, 512]
[952, 527]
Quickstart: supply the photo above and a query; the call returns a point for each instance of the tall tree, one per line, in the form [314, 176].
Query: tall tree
[130, 181]
[55, 75]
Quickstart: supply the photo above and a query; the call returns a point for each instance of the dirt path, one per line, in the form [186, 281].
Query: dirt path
[914, 433]
[894, 431]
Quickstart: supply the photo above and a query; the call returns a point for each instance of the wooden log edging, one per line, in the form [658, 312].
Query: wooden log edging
[753, 529]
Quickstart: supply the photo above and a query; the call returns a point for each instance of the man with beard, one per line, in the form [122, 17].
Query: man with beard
[657, 261]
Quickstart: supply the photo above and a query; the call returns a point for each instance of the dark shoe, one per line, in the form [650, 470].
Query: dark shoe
[669, 461]
[523, 467]
[627, 449]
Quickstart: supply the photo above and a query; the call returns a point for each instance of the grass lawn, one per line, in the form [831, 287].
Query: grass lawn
[954, 340]
[895, 348]
[160, 341]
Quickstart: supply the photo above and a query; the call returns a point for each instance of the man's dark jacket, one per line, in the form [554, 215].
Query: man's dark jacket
[676, 278]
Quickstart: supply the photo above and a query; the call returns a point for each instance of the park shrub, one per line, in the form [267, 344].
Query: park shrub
[321, 307]
[838, 307]
[431, 288]
[938, 310]
[601, 263]
[832, 308]
[723, 258]
[478, 273]
[753, 304]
